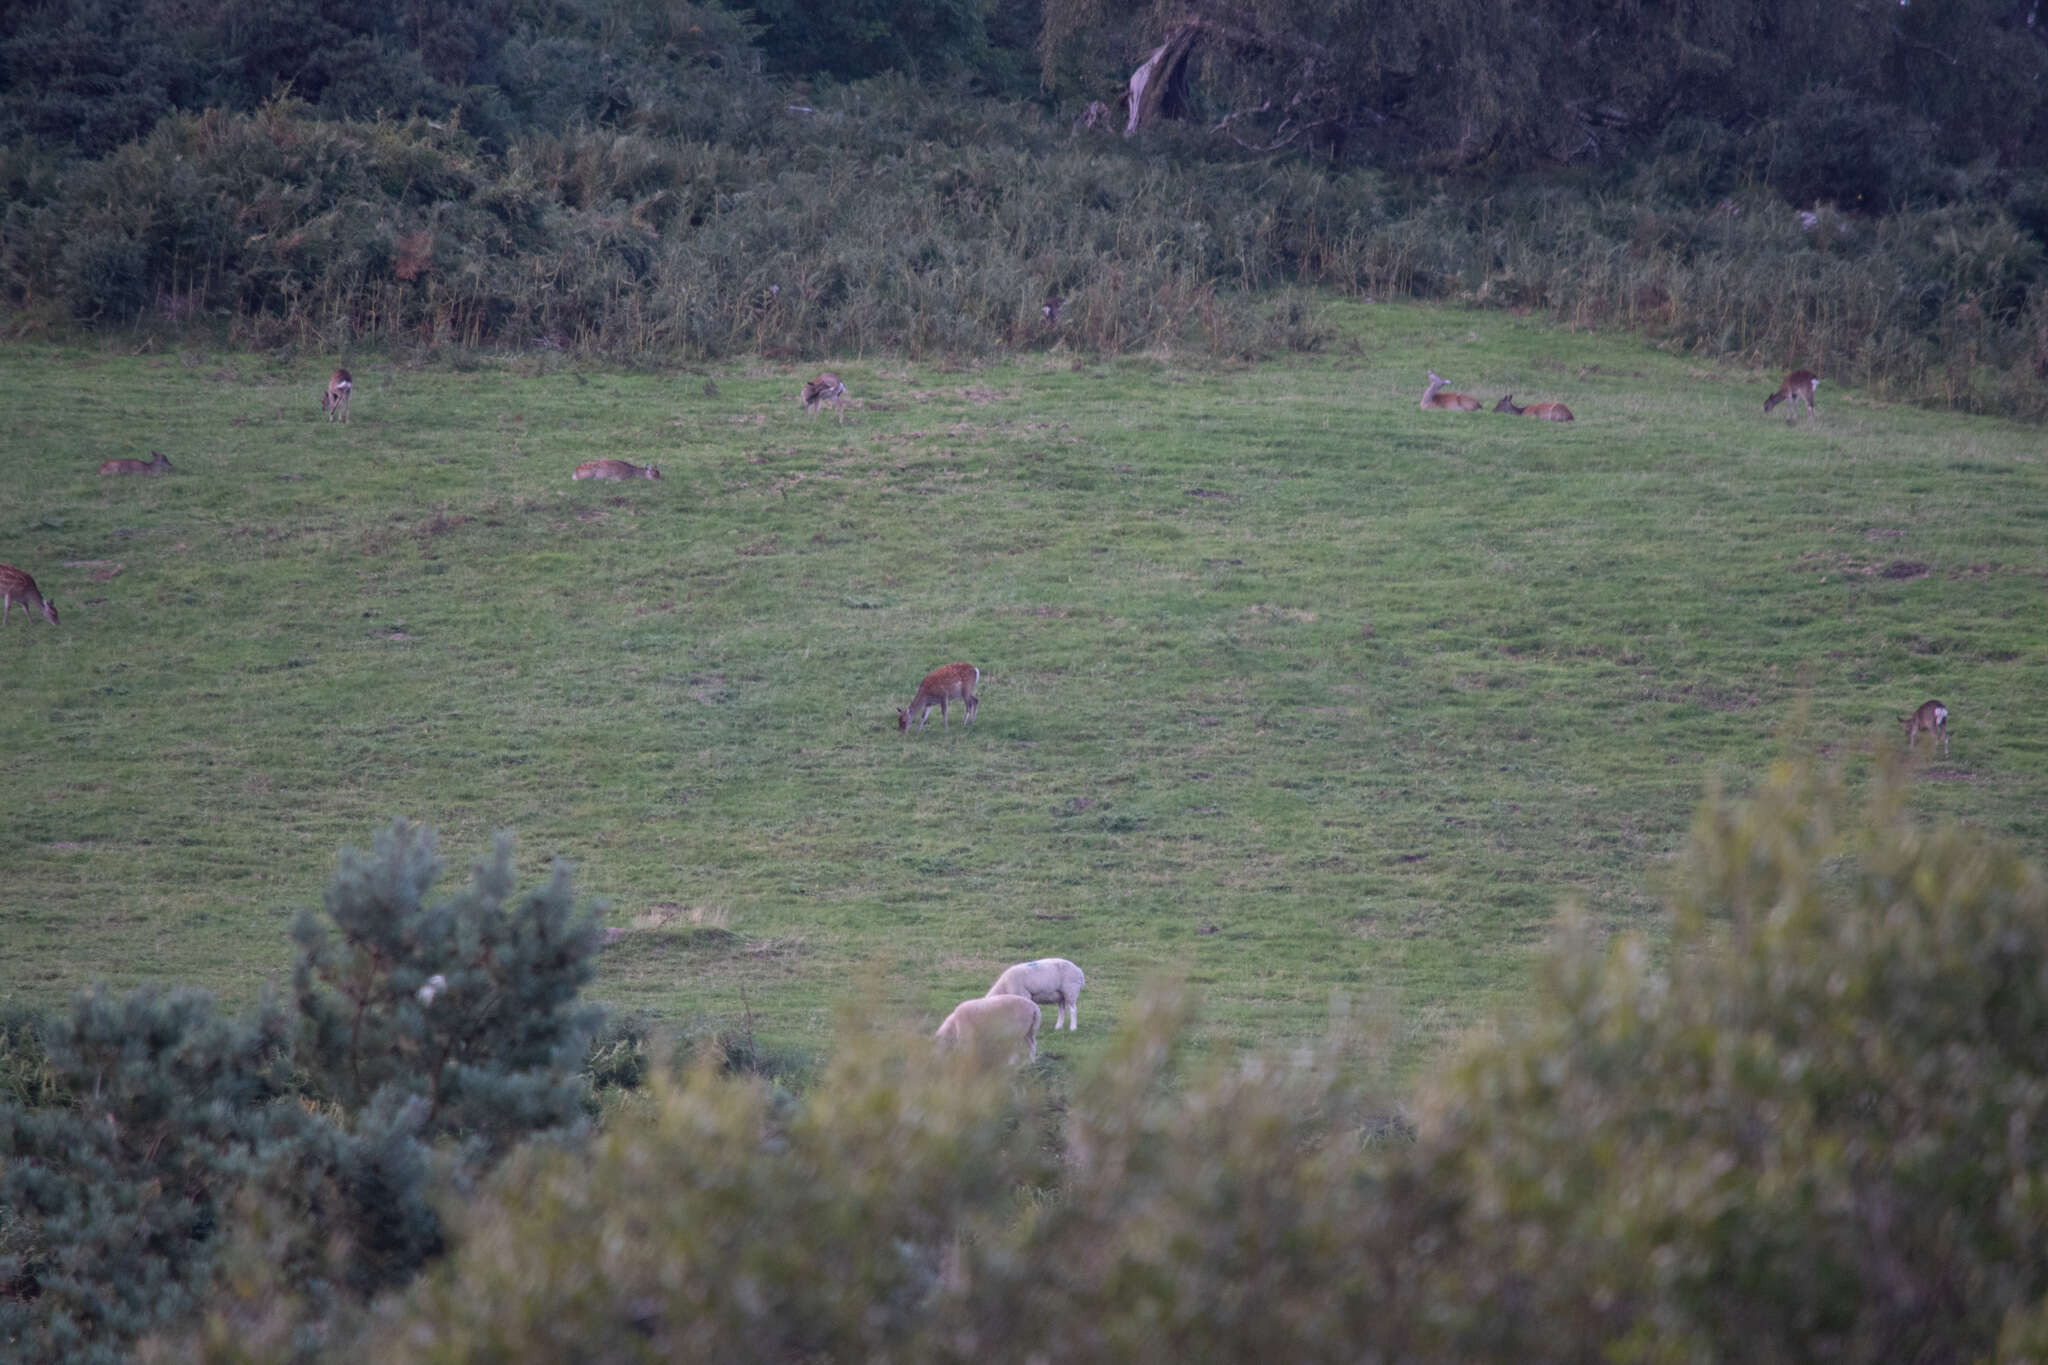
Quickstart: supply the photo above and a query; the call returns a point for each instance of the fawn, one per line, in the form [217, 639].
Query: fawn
[1799, 385]
[14, 584]
[1931, 717]
[826, 388]
[334, 402]
[157, 463]
[1432, 401]
[614, 469]
[1549, 412]
[954, 682]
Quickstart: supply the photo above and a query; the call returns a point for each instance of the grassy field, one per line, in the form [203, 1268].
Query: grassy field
[1288, 687]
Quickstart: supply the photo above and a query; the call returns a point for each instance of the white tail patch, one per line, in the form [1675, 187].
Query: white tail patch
[334, 402]
[1931, 717]
[1799, 387]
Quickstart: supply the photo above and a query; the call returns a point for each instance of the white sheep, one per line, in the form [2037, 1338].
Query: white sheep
[1049, 981]
[993, 1022]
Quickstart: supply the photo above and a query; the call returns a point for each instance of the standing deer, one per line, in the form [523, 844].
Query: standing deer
[16, 585]
[826, 388]
[1931, 717]
[954, 682]
[335, 401]
[1432, 401]
[157, 463]
[1799, 385]
[614, 469]
[1549, 412]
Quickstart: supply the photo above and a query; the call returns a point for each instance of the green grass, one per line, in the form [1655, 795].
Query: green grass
[1289, 687]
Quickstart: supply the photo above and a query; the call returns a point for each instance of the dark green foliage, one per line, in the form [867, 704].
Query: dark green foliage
[468, 1005]
[134, 1132]
[861, 38]
[114, 1190]
[1833, 146]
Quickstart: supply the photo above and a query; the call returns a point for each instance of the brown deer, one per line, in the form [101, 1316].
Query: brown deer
[1549, 412]
[334, 402]
[157, 463]
[18, 586]
[826, 388]
[614, 469]
[1799, 385]
[1432, 401]
[1931, 717]
[954, 682]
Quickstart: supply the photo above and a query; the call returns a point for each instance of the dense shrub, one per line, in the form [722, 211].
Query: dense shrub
[467, 1006]
[136, 1132]
[881, 217]
[1815, 1128]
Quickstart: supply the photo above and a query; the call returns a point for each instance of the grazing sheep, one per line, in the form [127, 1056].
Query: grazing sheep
[1048, 981]
[992, 1023]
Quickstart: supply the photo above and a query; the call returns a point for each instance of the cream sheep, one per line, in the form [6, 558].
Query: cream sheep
[991, 1023]
[1049, 981]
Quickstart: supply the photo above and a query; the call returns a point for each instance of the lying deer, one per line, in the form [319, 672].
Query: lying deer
[1433, 401]
[614, 469]
[18, 586]
[1931, 717]
[1799, 385]
[334, 402]
[954, 682]
[826, 388]
[157, 463]
[1549, 412]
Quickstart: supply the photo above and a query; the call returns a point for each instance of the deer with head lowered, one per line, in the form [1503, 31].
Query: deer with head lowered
[826, 388]
[16, 586]
[334, 402]
[1435, 401]
[1798, 386]
[1931, 717]
[614, 469]
[1549, 412]
[157, 463]
[954, 682]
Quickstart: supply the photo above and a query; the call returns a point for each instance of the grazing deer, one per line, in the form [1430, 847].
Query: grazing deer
[1798, 385]
[954, 682]
[157, 463]
[614, 469]
[1549, 412]
[16, 585]
[1432, 401]
[826, 388]
[1931, 717]
[334, 402]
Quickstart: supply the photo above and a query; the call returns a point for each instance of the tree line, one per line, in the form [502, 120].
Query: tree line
[1864, 192]
[1445, 84]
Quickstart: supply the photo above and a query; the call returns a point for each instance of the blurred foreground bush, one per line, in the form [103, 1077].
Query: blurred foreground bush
[136, 1131]
[1813, 1128]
